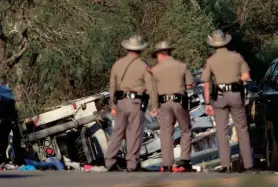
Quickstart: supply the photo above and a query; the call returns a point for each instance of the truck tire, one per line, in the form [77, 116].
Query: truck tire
[271, 149]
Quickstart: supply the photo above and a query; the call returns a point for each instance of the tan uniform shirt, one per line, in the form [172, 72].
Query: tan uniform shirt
[137, 78]
[171, 76]
[226, 66]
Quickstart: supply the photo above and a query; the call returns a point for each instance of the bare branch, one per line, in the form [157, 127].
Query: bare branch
[14, 58]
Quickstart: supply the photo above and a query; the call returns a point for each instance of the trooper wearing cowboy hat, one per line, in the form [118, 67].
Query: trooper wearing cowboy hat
[129, 80]
[230, 71]
[172, 78]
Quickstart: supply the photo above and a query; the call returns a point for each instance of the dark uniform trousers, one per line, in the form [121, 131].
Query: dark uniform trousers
[8, 116]
[129, 124]
[169, 113]
[232, 102]
[5, 129]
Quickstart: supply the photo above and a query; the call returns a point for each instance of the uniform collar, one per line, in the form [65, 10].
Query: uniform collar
[166, 59]
[132, 55]
[223, 49]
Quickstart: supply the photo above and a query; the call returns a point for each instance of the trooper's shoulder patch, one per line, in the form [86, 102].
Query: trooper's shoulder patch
[205, 65]
[148, 68]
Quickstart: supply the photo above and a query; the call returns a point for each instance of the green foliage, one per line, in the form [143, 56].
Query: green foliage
[79, 40]
[186, 26]
[269, 50]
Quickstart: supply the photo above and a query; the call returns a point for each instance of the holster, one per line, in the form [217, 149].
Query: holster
[145, 102]
[117, 96]
[133, 95]
[184, 101]
[214, 90]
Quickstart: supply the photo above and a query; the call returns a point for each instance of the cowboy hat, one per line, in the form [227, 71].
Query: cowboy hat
[218, 39]
[161, 46]
[134, 43]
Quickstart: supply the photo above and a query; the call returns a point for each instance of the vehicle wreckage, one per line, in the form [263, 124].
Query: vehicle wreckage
[79, 132]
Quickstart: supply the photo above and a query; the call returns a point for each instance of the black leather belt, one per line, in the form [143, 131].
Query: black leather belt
[133, 95]
[129, 95]
[233, 87]
[167, 97]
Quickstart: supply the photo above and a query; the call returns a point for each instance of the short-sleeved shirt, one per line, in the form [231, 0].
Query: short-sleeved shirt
[226, 66]
[137, 78]
[171, 76]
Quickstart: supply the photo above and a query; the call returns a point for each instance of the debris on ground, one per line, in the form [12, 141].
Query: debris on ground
[26, 168]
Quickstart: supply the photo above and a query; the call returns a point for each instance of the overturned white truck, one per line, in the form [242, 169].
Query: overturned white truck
[80, 131]
[75, 130]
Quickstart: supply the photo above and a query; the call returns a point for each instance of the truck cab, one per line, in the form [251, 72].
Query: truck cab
[264, 131]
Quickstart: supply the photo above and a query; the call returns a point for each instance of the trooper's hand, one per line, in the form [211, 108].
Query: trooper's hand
[209, 110]
[113, 112]
[154, 113]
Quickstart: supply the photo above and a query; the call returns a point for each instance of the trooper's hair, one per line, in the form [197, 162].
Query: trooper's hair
[166, 52]
[137, 51]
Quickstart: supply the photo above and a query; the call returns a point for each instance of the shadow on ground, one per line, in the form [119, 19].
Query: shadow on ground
[10, 176]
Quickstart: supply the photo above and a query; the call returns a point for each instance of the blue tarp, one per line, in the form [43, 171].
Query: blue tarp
[26, 168]
[51, 162]
[6, 93]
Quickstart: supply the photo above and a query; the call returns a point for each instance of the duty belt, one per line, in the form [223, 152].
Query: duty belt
[175, 97]
[129, 95]
[133, 95]
[233, 87]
